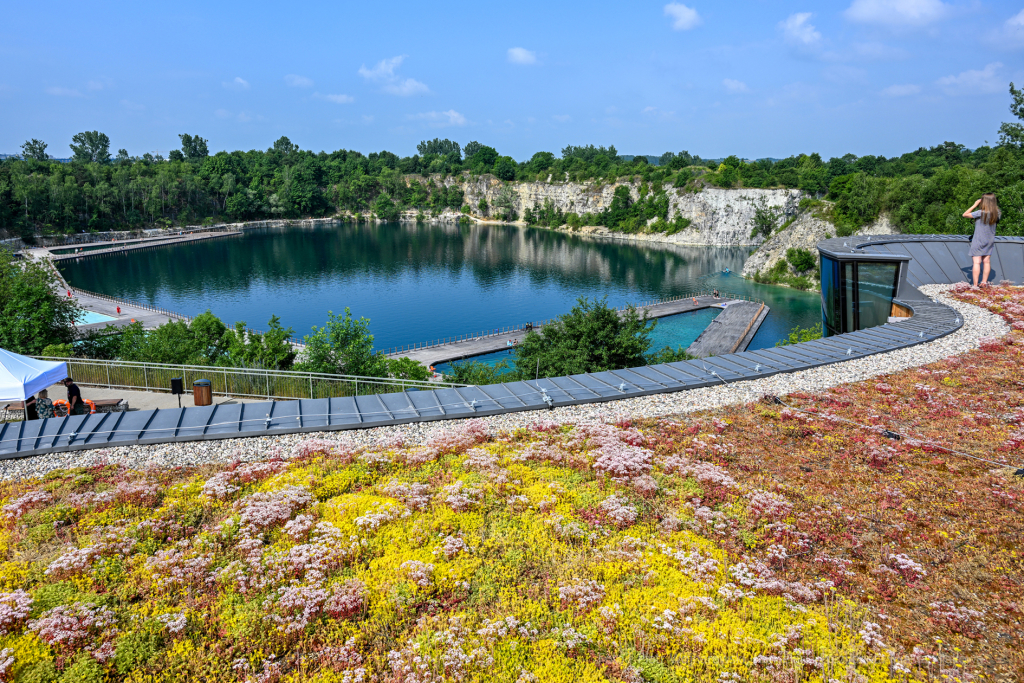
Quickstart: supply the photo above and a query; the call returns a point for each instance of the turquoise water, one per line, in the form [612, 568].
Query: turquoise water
[89, 317]
[672, 331]
[421, 282]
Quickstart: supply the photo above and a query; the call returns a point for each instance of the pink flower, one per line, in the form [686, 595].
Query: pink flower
[17, 508]
[14, 609]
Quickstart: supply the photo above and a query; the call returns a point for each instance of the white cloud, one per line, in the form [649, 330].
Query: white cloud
[799, 30]
[384, 72]
[562, 118]
[683, 18]
[897, 13]
[222, 114]
[238, 84]
[406, 87]
[974, 82]
[734, 85]
[1012, 34]
[296, 81]
[63, 92]
[95, 85]
[132, 106]
[441, 118]
[901, 90]
[657, 113]
[520, 55]
[337, 99]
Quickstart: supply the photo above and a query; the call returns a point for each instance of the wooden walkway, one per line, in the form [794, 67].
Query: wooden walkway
[125, 247]
[731, 331]
[458, 350]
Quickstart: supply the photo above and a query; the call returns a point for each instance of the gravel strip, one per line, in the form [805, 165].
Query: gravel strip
[978, 323]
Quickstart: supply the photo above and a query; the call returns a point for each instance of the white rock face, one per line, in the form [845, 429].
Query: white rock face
[720, 218]
[805, 233]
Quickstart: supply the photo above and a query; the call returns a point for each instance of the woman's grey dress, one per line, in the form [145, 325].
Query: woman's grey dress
[984, 236]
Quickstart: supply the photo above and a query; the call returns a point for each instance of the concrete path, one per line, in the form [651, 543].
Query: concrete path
[443, 353]
[143, 400]
[732, 329]
[148, 318]
[125, 247]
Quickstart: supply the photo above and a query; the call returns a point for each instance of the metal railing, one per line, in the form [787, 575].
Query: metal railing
[136, 304]
[143, 245]
[237, 382]
[536, 325]
[295, 344]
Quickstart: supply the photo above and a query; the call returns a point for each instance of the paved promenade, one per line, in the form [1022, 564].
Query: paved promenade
[457, 350]
[139, 245]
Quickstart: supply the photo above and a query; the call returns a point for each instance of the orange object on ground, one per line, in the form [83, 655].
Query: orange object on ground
[92, 406]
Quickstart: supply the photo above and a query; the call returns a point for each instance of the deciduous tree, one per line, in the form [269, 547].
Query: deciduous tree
[91, 146]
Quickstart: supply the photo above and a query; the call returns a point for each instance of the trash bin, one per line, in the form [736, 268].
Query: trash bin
[202, 392]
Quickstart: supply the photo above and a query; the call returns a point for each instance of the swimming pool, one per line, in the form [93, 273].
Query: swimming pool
[90, 317]
[674, 331]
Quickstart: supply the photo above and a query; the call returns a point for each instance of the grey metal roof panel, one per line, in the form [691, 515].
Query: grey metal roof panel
[869, 338]
[774, 360]
[631, 379]
[683, 373]
[685, 380]
[727, 370]
[952, 258]
[745, 363]
[798, 360]
[741, 366]
[830, 353]
[922, 261]
[1012, 258]
[701, 378]
[659, 378]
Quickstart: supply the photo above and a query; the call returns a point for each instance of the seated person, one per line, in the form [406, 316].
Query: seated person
[44, 406]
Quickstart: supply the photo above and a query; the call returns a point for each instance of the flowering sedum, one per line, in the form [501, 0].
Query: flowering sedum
[760, 543]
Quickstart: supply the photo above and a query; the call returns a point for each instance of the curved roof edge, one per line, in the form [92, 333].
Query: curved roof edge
[931, 321]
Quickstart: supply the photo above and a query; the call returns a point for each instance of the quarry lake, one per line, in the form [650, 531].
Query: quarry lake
[422, 282]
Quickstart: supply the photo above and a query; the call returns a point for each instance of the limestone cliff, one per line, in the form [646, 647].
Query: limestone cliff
[718, 217]
[804, 233]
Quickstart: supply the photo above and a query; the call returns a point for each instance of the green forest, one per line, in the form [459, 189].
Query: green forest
[923, 191]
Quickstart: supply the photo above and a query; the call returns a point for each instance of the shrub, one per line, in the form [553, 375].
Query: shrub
[801, 259]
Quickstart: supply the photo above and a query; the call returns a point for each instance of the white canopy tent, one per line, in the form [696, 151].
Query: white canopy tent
[21, 376]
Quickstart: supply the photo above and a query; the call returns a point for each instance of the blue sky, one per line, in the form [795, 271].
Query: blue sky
[760, 78]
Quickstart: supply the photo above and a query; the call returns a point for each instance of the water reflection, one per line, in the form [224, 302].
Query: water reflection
[413, 282]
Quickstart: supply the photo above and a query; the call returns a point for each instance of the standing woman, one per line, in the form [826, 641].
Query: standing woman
[985, 220]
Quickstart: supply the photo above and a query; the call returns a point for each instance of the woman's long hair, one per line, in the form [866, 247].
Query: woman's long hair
[989, 209]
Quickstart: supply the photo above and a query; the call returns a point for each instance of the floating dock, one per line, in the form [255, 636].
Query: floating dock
[731, 331]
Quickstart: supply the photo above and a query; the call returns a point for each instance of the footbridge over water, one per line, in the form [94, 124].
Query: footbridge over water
[929, 320]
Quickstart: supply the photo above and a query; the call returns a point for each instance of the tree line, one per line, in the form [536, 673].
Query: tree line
[922, 191]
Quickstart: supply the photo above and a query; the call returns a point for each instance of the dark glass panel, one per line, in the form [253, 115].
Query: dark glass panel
[875, 291]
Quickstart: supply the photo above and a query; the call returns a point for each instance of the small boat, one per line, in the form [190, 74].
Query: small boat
[726, 271]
